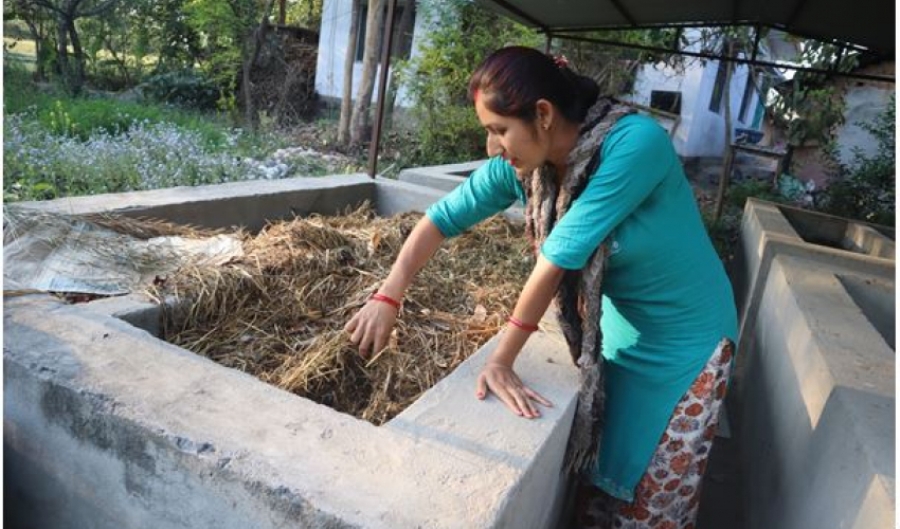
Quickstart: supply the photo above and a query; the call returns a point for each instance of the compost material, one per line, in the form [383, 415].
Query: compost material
[278, 311]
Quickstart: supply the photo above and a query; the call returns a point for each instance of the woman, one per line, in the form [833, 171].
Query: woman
[617, 232]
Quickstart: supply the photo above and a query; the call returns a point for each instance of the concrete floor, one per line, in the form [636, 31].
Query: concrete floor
[721, 505]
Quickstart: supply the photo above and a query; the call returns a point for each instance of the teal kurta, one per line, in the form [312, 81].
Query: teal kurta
[667, 301]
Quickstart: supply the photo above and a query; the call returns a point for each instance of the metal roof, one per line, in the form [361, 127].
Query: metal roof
[865, 23]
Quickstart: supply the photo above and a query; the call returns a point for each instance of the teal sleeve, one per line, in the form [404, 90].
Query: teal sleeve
[490, 189]
[635, 157]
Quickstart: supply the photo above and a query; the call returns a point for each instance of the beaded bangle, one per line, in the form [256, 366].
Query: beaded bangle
[522, 325]
[386, 299]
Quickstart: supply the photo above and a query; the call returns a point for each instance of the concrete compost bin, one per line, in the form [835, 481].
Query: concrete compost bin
[814, 387]
[442, 177]
[106, 426]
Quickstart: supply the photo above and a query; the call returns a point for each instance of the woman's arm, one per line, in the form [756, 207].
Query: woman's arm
[371, 327]
[498, 375]
[489, 189]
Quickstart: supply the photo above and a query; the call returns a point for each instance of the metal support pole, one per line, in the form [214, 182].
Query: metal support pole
[728, 59]
[549, 43]
[676, 42]
[781, 27]
[837, 61]
[756, 37]
[382, 88]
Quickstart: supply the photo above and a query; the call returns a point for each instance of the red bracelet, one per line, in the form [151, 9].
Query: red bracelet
[522, 325]
[386, 299]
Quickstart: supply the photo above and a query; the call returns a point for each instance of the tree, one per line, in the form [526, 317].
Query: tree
[347, 92]
[228, 30]
[253, 47]
[176, 43]
[865, 188]
[728, 51]
[304, 13]
[67, 12]
[402, 32]
[39, 26]
[462, 34]
[359, 120]
[809, 109]
[615, 68]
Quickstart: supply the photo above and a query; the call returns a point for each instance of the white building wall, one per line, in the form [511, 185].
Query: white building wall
[707, 131]
[656, 77]
[862, 104]
[701, 132]
[333, 40]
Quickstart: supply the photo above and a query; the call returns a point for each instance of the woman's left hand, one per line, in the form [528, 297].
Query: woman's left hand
[502, 381]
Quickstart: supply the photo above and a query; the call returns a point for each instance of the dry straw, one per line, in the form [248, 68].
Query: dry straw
[278, 312]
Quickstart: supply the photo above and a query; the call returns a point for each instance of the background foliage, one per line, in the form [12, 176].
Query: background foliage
[162, 69]
[866, 187]
[447, 129]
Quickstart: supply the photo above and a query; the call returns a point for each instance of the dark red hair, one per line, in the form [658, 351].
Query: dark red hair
[512, 80]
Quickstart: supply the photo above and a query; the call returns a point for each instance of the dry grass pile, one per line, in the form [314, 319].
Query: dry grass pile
[279, 312]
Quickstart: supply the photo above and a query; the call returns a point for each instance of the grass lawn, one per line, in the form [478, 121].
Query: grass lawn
[22, 50]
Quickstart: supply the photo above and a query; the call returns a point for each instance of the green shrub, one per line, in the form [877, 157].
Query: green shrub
[865, 188]
[437, 79]
[106, 74]
[19, 91]
[187, 89]
[739, 192]
[724, 234]
[82, 117]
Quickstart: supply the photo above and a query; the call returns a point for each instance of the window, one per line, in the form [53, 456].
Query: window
[715, 101]
[748, 95]
[666, 101]
[404, 34]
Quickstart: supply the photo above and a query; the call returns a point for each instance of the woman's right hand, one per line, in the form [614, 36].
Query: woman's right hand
[371, 327]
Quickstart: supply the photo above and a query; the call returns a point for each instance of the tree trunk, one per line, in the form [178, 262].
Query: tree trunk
[360, 119]
[258, 38]
[62, 50]
[347, 93]
[39, 43]
[119, 60]
[727, 159]
[404, 27]
[78, 54]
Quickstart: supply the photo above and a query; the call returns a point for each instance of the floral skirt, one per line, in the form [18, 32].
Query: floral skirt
[668, 494]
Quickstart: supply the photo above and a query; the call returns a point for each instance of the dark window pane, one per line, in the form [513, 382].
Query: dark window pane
[748, 95]
[715, 102]
[666, 101]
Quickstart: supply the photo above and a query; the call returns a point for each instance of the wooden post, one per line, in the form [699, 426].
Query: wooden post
[382, 87]
[729, 149]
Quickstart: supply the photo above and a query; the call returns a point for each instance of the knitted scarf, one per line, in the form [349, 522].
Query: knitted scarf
[579, 293]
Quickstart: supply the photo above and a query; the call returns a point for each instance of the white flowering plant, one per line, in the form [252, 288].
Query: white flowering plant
[44, 163]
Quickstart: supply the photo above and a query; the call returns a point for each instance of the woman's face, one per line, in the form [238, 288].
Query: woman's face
[519, 142]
